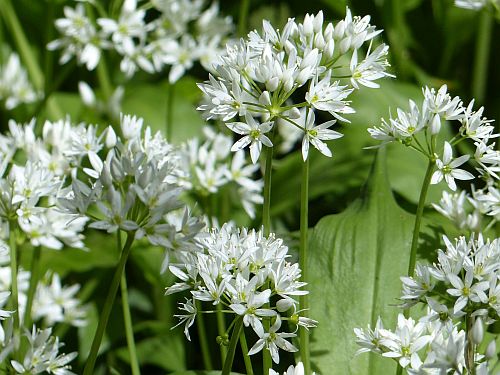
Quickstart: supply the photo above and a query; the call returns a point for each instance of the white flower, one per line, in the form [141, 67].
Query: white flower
[406, 342]
[292, 370]
[316, 134]
[325, 96]
[465, 290]
[273, 340]
[254, 135]
[447, 168]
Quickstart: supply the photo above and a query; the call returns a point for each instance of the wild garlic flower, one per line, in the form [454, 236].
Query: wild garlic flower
[132, 186]
[15, 87]
[463, 283]
[30, 189]
[250, 276]
[43, 355]
[53, 302]
[292, 370]
[151, 37]
[206, 166]
[259, 77]
[463, 210]
[419, 126]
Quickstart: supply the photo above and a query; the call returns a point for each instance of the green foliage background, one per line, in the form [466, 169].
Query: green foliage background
[360, 236]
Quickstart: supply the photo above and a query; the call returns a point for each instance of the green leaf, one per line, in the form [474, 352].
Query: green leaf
[355, 261]
[162, 347]
[150, 102]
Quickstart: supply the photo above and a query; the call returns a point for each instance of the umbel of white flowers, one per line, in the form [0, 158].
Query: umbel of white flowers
[461, 289]
[259, 77]
[249, 275]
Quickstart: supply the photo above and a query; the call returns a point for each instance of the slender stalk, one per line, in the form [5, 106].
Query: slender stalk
[221, 328]
[418, 218]
[104, 81]
[266, 223]
[243, 18]
[469, 346]
[35, 276]
[170, 111]
[129, 332]
[28, 57]
[202, 336]
[108, 304]
[13, 275]
[482, 54]
[266, 209]
[304, 301]
[228, 364]
[246, 357]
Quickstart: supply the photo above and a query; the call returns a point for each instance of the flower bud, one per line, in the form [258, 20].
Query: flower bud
[265, 98]
[318, 22]
[272, 84]
[86, 93]
[435, 126]
[308, 25]
[491, 350]
[110, 137]
[477, 333]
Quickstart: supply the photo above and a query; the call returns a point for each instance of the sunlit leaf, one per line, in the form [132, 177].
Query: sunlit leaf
[355, 261]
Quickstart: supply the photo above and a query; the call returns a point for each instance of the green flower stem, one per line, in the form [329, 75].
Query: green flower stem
[418, 221]
[469, 345]
[129, 332]
[170, 111]
[246, 357]
[13, 275]
[108, 304]
[266, 223]
[103, 77]
[221, 328]
[228, 364]
[29, 59]
[202, 336]
[304, 301]
[35, 276]
[102, 69]
[243, 18]
[482, 54]
[266, 209]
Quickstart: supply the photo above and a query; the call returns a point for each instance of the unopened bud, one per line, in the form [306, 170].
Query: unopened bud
[477, 333]
[110, 137]
[491, 350]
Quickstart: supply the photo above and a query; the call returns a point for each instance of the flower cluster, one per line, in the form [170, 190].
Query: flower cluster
[173, 33]
[418, 128]
[461, 293]
[15, 88]
[33, 172]
[249, 275]
[132, 188]
[209, 167]
[43, 355]
[261, 75]
[463, 210]
[53, 303]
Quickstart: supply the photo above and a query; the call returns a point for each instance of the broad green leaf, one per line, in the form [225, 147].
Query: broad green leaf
[355, 261]
[150, 102]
